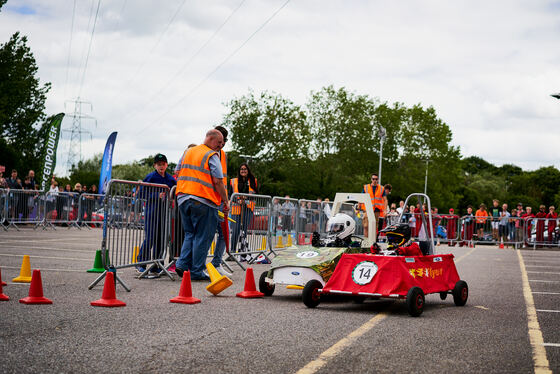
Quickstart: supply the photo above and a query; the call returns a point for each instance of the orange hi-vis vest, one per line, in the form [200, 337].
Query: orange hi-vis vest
[194, 174]
[376, 198]
[236, 208]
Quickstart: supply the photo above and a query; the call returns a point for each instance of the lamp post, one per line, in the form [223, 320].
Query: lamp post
[382, 136]
[426, 179]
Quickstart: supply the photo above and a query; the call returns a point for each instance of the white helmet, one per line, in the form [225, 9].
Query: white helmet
[341, 226]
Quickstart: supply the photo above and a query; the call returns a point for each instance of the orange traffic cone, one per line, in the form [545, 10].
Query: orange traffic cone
[250, 290]
[218, 282]
[185, 292]
[35, 290]
[502, 244]
[2, 296]
[108, 297]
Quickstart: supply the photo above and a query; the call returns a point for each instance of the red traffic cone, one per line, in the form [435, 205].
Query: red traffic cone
[502, 244]
[185, 292]
[108, 297]
[250, 290]
[35, 290]
[2, 296]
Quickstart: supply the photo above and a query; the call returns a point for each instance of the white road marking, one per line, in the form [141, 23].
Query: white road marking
[50, 258]
[544, 272]
[547, 293]
[543, 281]
[43, 269]
[551, 344]
[548, 311]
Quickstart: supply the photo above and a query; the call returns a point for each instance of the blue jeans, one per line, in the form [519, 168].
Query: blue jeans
[199, 223]
[220, 245]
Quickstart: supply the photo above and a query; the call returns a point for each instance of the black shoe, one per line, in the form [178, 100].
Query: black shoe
[203, 278]
[179, 272]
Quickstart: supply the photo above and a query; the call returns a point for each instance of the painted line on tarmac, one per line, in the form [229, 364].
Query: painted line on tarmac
[54, 249]
[540, 362]
[551, 344]
[546, 293]
[61, 270]
[347, 341]
[50, 258]
[548, 311]
[339, 346]
[544, 272]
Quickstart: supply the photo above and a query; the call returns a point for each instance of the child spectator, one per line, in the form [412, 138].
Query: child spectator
[552, 217]
[451, 227]
[503, 226]
[541, 217]
[468, 227]
[481, 216]
[392, 216]
[495, 213]
[528, 221]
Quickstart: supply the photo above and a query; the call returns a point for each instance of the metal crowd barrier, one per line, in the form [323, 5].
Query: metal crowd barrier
[135, 228]
[23, 207]
[3, 208]
[309, 214]
[283, 222]
[446, 228]
[542, 232]
[509, 231]
[90, 210]
[61, 208]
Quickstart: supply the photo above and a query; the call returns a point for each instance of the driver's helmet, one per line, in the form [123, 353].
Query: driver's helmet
[340, 226]
[397, 235]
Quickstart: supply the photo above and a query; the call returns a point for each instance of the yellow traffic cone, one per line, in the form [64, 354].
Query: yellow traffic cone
[212, 247]
[135, 254]
[263, 244]
[289, 241]
[218, 282]
[24, 272]
[279, 244]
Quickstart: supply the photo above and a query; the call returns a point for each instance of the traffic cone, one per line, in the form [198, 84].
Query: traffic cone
[502, 244]
[35, 291]
[108, 297]
[289, 241]
[301, 239]
[2, 296]
[250, 290]
[135, 254]
[212, 247]
[263, 244]
[279, 244]
[185, 292]
[218, 282]
[98, 262]
[24, 272]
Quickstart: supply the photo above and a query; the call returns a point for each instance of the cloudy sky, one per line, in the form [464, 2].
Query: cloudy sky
[158, 72]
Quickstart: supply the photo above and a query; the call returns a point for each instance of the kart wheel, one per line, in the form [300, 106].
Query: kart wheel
[415, 301]
[460, 293]
[264, 286]
[443, 295]
[311, 296]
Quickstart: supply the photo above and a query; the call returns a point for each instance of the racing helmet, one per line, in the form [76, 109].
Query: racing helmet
[397, 235]
[341, 226]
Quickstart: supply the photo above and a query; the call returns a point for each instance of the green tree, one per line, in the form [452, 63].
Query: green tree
[22, 101]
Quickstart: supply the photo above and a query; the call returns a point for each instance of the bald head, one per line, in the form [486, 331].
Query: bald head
[214, 139]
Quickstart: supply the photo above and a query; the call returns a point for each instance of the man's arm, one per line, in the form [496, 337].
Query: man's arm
[219, 186]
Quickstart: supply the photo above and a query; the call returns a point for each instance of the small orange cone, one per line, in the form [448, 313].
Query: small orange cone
[24, 272]
[250, 290]
[2, 296]
[502, 245]
[185, 292]
[108, 297]
[35, 290]
[218, 282]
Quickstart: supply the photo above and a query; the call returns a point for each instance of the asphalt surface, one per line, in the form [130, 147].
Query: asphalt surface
[277, 334]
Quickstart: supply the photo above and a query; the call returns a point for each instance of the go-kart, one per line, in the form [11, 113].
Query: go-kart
[297, 266]
[388, 275]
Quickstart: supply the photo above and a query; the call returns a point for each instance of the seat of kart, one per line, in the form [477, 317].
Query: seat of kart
[425, 247]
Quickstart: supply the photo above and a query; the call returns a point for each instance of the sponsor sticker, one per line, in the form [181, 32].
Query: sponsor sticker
[438, 259]
[409, 259]
[364, 272]
[307, 254]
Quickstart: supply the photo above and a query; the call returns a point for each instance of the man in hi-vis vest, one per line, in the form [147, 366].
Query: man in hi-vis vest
[200, 191]
[376, 193]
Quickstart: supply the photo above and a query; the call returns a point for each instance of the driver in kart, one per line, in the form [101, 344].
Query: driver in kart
[398, 239]
[340, 228]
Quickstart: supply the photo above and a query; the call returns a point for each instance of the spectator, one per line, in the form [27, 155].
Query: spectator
[387, 191]
[503, 226]
[451, 227]
[540, 218]
[392, 216]
[412, 221]
[513, 223]
[528, 221]
[13, 181]
[51, 199]
[31, 176]
[3, 183]
[241, 208]
[552, 217]
[286, 211]
[468, 227]
[302, 217]
[77, 210]
[377, 195]
[495, 213]
[481, 216]
[400, 209]
[155, 216]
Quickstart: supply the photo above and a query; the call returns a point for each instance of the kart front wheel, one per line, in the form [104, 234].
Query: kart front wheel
[264, 286]
[443, 295]
[311, 296]
[460, 293]
[415, 301]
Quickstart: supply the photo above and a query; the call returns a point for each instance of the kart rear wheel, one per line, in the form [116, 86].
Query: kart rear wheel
[264, 286]
[443, 295]
[311, 296]
[415, 301]
[460, 293]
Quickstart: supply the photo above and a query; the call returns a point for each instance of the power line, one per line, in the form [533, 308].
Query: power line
[69, 48]
[193, 90]
[89, 48]
[184, 66]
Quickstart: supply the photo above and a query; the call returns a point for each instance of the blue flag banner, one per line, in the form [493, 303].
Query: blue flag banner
[107, 164]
